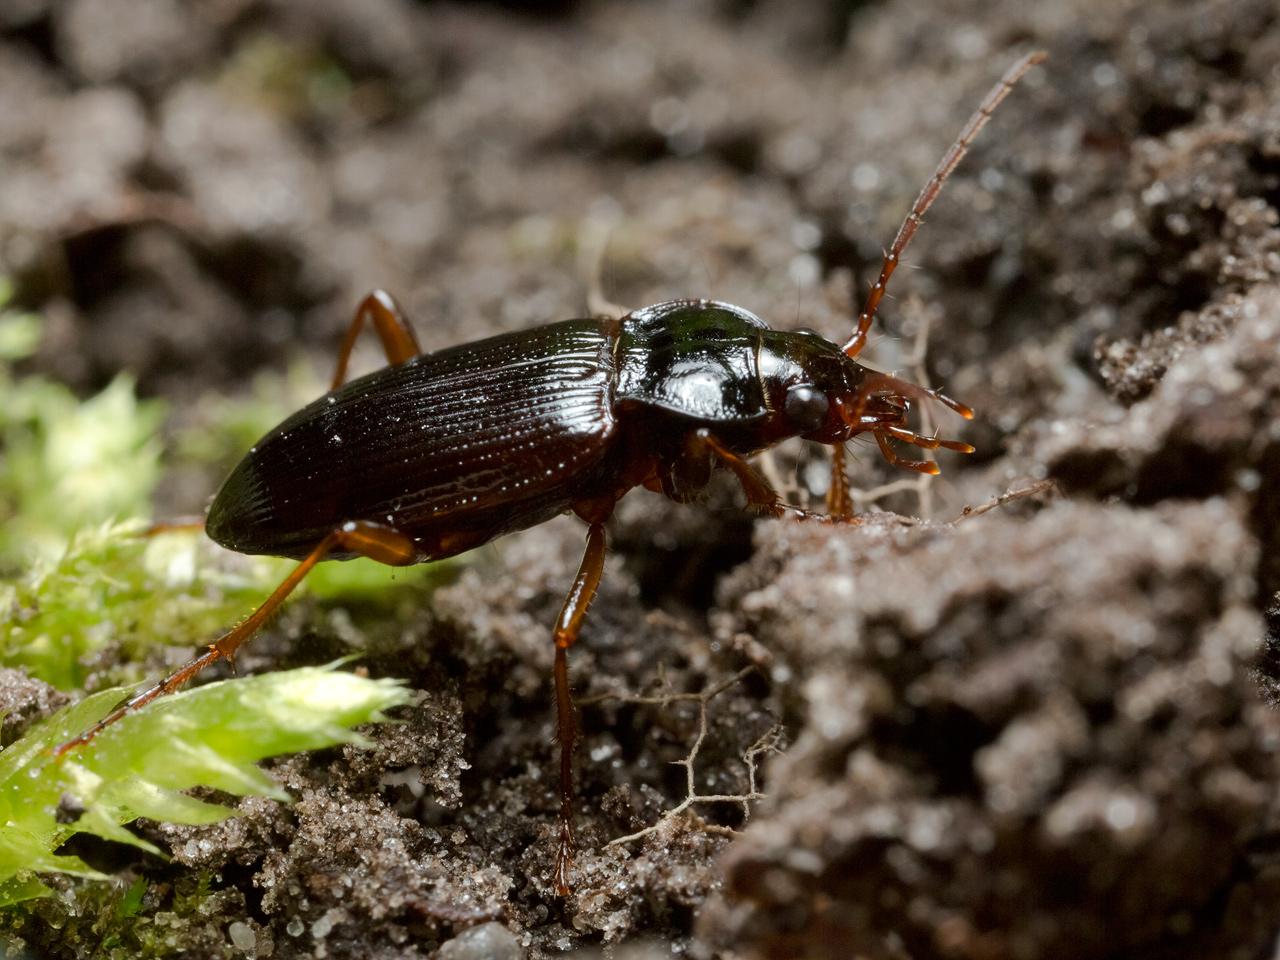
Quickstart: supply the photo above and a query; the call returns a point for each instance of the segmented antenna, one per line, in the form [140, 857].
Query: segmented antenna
[977, 121]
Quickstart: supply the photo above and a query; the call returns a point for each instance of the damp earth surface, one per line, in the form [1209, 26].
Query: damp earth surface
[1023, 712]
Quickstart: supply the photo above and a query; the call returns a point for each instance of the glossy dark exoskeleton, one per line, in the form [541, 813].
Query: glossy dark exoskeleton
[455, 448]
[439, 453]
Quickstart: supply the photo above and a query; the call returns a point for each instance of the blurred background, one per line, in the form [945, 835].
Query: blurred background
[195, 195]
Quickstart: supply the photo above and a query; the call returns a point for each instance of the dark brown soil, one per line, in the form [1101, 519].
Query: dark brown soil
[1042, 730]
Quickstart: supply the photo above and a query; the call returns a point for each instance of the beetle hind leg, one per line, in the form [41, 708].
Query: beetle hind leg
[176, 525]
[376, 541]
[568, 626]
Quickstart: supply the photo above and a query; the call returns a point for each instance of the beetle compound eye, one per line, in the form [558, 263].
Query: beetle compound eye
[806, 406]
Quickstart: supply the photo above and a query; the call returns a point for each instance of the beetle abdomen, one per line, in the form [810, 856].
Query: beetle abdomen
[452, 448]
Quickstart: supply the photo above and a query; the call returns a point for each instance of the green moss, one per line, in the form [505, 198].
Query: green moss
[183, 916]
[67, 463]
[113, 589]
[212, 736]
[19, 332]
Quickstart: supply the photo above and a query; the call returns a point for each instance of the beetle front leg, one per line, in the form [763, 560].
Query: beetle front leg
[373, 540]
[398, 338]
[568, 625]
[839, 503]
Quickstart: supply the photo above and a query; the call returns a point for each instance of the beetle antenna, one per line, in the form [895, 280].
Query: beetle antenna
[932, 188]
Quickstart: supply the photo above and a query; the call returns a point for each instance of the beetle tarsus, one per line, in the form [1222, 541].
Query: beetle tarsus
[564, 859]
[135, 703]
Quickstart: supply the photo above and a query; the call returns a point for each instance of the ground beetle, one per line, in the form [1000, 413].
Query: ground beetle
[439, 453]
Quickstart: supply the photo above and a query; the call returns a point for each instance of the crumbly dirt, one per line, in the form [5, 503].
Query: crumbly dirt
[1036, 731]
[23, 700]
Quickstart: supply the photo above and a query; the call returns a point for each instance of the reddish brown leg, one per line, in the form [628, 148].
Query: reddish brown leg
[919, 466]
[760, 493]
[179, 524]
[928, 443]
[839, 504]
[568, 625]
[378, 542]
[397, 336]
[930, 192]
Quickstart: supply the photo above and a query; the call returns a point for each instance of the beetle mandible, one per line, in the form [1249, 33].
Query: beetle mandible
[438, 453]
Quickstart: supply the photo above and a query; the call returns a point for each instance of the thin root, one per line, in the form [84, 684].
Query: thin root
[770, 742]
[1040, 486]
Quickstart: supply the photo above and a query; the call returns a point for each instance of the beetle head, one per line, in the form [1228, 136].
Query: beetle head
[820, 394]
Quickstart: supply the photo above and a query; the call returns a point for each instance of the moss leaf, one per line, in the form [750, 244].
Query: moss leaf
[68, 463]
[111, 588]
[211, 736]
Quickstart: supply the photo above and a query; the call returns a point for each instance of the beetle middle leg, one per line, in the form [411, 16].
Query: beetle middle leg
[760, 493]
[373, 540]
[398, 338]
[568, 625]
